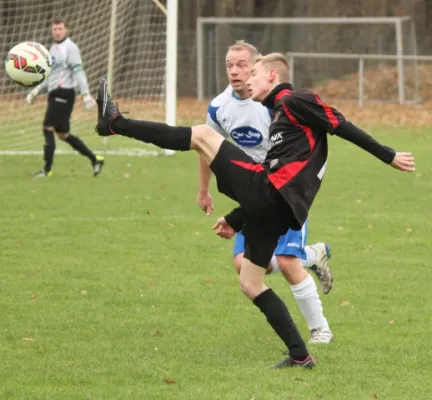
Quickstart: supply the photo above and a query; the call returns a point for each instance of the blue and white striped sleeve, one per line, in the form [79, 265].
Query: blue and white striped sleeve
[213, 120]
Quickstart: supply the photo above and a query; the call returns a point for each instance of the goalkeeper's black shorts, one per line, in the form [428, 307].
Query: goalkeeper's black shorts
[59, 110]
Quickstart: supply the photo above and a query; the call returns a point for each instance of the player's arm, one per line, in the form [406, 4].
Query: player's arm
[204, 199]
[236, 218]
[403, 161]
[75, 63]
[315, 113]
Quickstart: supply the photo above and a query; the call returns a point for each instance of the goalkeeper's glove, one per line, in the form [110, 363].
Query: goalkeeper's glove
[89, 101]
[33, 93]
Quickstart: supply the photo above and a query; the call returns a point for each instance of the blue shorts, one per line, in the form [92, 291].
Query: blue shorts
[290, 244]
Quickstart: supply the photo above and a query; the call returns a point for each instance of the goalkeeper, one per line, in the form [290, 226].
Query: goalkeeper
[67, 73]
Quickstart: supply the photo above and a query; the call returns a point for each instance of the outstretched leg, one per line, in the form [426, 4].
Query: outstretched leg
[110, 122]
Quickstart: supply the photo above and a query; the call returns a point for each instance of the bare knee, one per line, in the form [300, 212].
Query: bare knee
[292, 269]
[248, 288]
[62, 136]
[251, 279]
[206, 141]
[200, 134]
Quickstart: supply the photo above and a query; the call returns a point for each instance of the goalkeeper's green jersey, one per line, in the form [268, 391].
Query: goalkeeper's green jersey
[67, 70]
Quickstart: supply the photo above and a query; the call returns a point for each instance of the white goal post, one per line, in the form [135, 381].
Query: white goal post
[133, 43]
[396, 22]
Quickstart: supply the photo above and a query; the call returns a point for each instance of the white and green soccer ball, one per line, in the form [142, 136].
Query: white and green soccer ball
[28, 63]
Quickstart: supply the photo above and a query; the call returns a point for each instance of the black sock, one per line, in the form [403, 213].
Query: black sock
[281, 321]
[49, 149]
[162, 135]
[80, 147]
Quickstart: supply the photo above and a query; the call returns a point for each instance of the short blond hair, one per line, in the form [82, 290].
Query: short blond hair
[242, 45]
[278, 62]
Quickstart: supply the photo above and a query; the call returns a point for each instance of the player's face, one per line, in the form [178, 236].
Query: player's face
[58, 31]
[259, 84]
[238, 67]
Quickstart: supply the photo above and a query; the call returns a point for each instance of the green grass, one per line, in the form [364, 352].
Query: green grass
[112, 287]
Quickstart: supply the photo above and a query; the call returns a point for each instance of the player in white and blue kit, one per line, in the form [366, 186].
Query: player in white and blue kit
[246, 123]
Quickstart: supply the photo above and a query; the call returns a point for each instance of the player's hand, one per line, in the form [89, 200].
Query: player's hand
[89, 101]
[403, 162]
[223, 229]
[32, 95]
[205, 202]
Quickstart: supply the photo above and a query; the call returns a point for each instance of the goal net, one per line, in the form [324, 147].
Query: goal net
[138, 67]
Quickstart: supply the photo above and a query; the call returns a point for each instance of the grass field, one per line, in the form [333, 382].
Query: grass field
[116, 288]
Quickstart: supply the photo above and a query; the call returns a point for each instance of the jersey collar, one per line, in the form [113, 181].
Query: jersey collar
[61, 41]
[274, 96]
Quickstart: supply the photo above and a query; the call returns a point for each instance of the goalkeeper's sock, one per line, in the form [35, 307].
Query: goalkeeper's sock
[162, 135]
[49, 149]
[76, 143]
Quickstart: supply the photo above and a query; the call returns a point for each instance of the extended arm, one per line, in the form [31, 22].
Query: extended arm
[346, 130]
[400, 160]
[314, 112]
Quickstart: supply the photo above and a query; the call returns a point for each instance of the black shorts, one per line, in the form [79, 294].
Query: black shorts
[59, 110]
[268, 216]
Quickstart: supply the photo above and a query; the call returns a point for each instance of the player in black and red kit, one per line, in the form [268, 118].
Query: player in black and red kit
[274, 195]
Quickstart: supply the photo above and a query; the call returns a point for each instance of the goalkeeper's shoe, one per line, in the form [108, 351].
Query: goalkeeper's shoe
[97, 166]
[107, 110]
[308, 362]
[42, 174]
[321, 268]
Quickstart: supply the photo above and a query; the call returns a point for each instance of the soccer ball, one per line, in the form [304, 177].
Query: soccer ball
[28, 63]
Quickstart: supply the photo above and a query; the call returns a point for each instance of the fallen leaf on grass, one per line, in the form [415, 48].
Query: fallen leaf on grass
[149, 212]
[29, 339]
[83, 292]
[208, 281]
[345, 303]
[391, 321]
[375, 396]
[169, 381]
[156, 332]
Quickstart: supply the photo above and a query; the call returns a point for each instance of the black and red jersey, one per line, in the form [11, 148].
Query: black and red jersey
[296, 161]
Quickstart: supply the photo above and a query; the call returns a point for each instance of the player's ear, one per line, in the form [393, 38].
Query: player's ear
[272, 75]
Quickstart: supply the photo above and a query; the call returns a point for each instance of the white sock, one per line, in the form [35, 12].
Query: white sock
[275, 265]
[311, 257]
[306, 295]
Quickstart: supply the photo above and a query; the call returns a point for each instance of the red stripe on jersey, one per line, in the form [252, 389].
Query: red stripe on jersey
[306, 129]
[286, 173]
[282, 93]
[249, 166]
[329, 112]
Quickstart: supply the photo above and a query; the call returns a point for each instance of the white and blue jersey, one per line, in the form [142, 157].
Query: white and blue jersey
[246, 124]
[244, 121]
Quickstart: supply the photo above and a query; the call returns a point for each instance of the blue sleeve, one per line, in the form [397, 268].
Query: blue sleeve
[212, 112]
